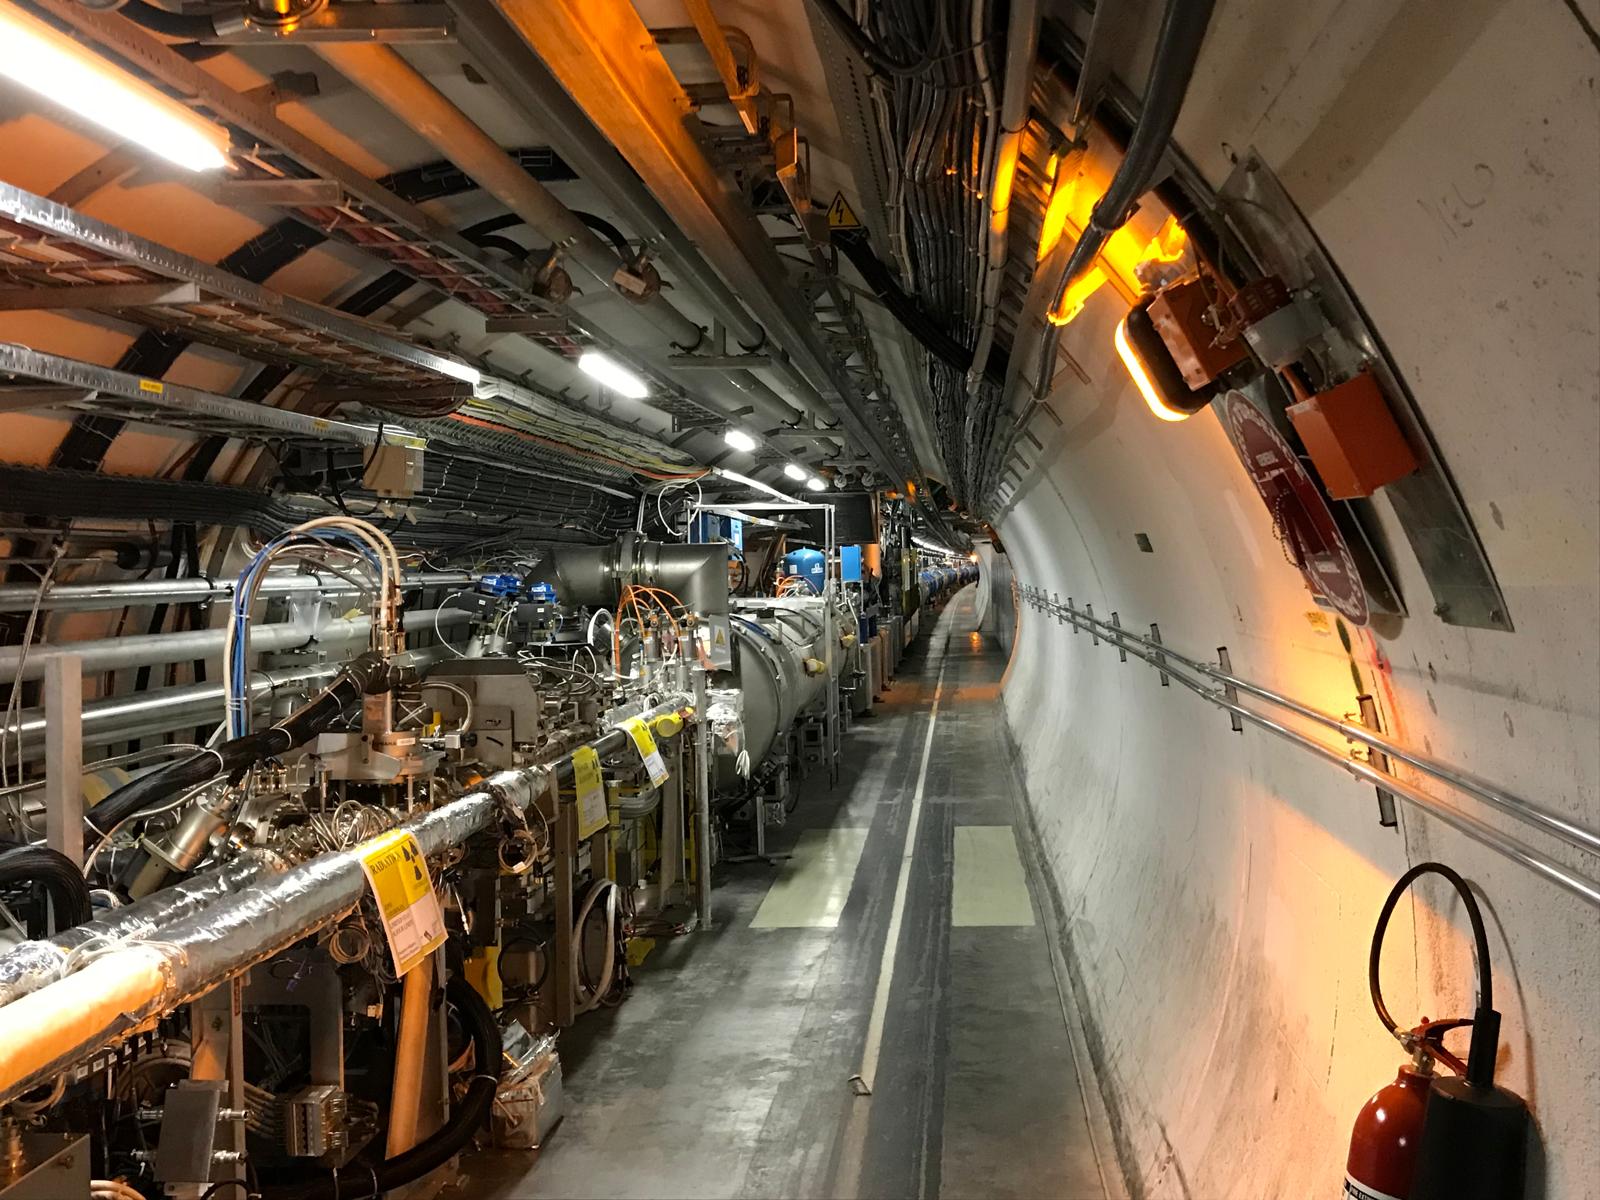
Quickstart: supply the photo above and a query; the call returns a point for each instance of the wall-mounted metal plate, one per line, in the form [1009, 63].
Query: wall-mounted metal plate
[1299, 513]
[1260, 213]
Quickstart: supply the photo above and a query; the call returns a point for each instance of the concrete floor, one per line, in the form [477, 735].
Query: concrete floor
[728, 1070]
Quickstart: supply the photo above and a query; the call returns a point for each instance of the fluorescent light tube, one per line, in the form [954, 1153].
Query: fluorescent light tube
[46, 61]
[613, 375]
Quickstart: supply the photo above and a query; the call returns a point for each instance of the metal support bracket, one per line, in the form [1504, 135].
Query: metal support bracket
[1122, 651]
[1379, 762]
[63, 755]
[1161, 659]
[1229, 692]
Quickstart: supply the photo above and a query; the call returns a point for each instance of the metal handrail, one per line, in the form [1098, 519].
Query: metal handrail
[1171, 663]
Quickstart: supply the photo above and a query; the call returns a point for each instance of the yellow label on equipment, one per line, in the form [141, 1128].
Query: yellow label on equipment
[645, 743]
[592, 815]
[151, 386]
[397, 873]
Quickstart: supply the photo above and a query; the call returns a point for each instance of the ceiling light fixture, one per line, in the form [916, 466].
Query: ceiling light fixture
[48, 62]
[815, 484]
[794, 472]
[735, 477]
[740, 440]
[611, 374]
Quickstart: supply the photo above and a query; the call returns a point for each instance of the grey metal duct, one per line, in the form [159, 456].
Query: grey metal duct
[696, 573]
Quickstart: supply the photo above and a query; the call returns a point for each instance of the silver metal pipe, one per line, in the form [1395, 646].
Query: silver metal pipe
[1516, 806]
[48, 1030]
[148, 713]
[1172, 665]
[109, 654]
[136, 593]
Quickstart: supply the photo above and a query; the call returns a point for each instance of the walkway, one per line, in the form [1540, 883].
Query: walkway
[728, 1072]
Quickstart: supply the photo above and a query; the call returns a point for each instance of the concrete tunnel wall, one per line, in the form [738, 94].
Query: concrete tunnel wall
[1219, 889]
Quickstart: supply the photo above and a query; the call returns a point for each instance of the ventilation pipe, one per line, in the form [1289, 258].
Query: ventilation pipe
[1183, 29]
[393, 82]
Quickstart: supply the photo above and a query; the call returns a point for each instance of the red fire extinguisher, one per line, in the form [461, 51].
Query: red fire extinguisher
[1428, 1137]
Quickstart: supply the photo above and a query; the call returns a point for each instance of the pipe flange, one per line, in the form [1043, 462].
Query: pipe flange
[282, 14]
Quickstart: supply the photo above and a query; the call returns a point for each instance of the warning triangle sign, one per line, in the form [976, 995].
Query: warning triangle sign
[841, 215]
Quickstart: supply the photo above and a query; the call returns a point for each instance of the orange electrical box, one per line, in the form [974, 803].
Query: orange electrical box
[1352, 438]
[1181, 315]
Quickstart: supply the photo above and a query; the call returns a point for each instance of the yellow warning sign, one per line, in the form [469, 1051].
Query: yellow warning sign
[645, 743]
[397, 873]
[592, 815]
[841, 215]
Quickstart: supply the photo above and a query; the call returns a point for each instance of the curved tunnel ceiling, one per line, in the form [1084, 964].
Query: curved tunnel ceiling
[1418, 178]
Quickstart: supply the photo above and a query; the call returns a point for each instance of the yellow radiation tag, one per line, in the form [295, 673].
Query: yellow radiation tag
[592, 815]
[407, 903]
[645, 743]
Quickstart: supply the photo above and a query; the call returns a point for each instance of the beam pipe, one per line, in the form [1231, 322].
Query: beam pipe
[48, 1030]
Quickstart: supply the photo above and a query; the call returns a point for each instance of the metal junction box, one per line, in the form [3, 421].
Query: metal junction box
[1352, 438]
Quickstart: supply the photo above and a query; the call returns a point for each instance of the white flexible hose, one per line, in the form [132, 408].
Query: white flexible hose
[612, 892]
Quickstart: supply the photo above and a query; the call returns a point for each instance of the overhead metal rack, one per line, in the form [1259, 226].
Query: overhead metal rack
[351, 207]
[49, 251]
[84, 387]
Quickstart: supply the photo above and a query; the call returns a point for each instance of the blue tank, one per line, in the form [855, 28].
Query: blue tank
[809, 564]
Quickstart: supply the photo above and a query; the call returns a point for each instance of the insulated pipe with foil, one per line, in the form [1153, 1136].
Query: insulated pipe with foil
[122, 989]
[29, 966]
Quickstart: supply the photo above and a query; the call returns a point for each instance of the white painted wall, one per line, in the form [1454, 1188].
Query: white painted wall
[1221, 888]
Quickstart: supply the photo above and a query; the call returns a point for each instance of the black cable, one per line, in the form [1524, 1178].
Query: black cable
[164, 21]
[360, 1182]
[363, 675]
[1485, 1021]
[57, 874]
[608, 231]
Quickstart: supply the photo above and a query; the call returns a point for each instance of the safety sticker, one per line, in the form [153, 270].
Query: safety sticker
[592, 815]
[645, 743]
[398, 875]
[151, 386]
[841, 215]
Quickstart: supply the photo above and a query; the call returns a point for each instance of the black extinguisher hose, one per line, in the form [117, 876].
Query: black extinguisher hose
[1485, 1020]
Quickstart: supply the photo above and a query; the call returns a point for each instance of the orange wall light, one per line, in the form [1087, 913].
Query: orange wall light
[1141, 377]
